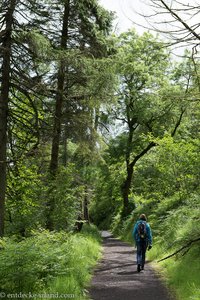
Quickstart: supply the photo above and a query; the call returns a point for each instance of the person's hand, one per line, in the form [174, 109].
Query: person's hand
[149, 247]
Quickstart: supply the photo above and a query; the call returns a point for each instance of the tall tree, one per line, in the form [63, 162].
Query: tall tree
[84, 27]
[146, 103]
[19, 74]
[59, 92]
[6, 44]
[84, 23]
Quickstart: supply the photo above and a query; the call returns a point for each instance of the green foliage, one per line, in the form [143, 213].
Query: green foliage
[91, 231]
[182, 275]
[185, 276]
[166, 187]
[145, 93]
[24, 124]
[24, 199]
[67, 197]
[107, 195]
[47, 261]
[127, 86]
[39, 44]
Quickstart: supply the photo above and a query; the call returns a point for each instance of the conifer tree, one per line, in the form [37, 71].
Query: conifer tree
[84, 28]
[19, 75]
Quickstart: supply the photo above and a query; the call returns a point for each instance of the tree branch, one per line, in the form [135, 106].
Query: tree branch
[142, 153]
[181, 249]
[178, 123]
[177, 17]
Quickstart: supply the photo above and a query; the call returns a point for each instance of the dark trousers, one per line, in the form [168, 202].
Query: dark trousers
[141, 251]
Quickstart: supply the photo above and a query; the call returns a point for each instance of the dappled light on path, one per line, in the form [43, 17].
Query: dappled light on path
[116, 276]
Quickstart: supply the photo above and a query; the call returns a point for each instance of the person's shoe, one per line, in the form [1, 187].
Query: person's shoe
[138, 267]
[142, 268]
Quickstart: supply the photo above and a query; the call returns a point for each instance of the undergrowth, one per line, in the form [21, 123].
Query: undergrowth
[49, 263]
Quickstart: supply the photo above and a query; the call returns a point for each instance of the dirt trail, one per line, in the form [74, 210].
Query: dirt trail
[116, 276]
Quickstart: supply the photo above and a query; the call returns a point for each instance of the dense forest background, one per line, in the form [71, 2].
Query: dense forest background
[97, 127]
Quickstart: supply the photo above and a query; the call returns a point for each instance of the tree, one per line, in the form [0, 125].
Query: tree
[28, 90]
[83, 24]
[84, 27]
[146, 105]
[7, 21]
[19, 77]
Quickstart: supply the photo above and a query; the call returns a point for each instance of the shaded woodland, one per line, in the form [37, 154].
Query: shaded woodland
[96, 127]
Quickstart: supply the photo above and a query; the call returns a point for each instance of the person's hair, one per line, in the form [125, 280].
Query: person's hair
[143, 217]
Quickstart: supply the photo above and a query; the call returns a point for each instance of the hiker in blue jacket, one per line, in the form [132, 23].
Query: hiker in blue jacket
[143, 239]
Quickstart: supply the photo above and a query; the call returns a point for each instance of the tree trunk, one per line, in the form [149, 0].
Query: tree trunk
[126, 188]
[85, 207]
[65, 147]
[129, 168]
[59, 96]
[58, 116]
[4, 96]
[127, 183]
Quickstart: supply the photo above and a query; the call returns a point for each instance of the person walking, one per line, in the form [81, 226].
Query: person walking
[143, 238]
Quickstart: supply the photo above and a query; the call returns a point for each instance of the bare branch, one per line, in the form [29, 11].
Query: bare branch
[180, 20]
[187, 246]
[177, 17]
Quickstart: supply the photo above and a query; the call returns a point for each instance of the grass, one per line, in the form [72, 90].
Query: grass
[180, 273]
[183, 275]
[57, 264]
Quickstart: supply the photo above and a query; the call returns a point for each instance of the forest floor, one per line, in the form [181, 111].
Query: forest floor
[116, 276]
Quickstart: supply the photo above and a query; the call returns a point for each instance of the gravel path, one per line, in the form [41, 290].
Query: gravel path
[116, 276]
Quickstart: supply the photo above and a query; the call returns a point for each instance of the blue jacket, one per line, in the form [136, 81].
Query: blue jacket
[148, 232]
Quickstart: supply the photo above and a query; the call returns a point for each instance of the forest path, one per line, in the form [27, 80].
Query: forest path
[116, 276]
